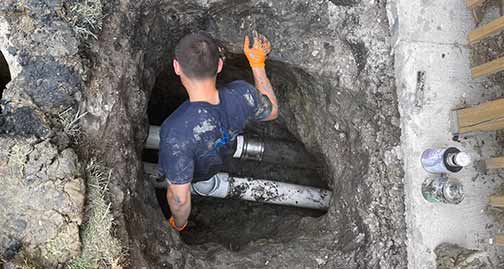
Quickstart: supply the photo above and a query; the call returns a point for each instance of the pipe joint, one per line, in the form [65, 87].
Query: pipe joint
[249, 148]
[216, 186]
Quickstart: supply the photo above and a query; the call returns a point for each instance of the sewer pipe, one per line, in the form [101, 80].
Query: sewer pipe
[252, 148]
[222, 185]
[153, 138]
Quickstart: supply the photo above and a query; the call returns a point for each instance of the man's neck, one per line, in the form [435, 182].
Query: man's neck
[202, 91]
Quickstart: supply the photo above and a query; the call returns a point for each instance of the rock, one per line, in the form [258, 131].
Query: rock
[75, 193]
[23, 121]
[39, 160]
[65, 166]
[39, 207]
[62, 246]
[51, 85]
[42, 194]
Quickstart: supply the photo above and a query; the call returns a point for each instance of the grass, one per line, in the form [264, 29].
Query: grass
[99, 247]
[86, 17]
[70, 122]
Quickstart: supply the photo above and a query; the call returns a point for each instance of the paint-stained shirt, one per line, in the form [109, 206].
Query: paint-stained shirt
[196, 136]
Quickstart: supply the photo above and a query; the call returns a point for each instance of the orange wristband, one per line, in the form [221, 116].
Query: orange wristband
[174, 226]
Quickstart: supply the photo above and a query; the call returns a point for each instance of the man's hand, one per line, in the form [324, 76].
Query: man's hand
[260, 49]
[174, 226]
[256, 57]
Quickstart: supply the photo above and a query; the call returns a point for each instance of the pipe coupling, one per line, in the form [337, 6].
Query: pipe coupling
[249, 148]
[216, 186]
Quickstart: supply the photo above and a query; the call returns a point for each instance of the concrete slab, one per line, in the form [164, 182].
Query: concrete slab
[433, 77]
[434, 21]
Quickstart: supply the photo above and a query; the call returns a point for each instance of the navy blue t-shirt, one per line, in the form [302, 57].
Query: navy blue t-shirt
[195, 137]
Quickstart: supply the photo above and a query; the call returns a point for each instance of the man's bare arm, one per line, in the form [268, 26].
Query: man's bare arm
[179, 200]
[256, 56]
[263, 84]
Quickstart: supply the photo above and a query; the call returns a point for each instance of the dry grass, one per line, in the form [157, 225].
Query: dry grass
[18, 157]
[86, 17]
[100, 249]
[21, 261]
[69, 119]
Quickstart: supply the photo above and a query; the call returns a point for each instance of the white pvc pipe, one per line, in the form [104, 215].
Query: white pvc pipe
[153, 138]
[257, 190]
[280, 193]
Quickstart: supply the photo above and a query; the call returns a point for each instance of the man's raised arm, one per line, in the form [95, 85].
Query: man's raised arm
[256, 56]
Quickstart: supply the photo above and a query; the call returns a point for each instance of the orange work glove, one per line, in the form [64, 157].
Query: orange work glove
[174, 226]
[260, 49]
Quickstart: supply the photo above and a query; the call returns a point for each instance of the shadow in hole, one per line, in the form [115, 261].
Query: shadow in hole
[233, 223]
[169, 93]
[4, 75]
[163, 202]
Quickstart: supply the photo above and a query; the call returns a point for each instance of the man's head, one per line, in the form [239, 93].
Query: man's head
[197, 57]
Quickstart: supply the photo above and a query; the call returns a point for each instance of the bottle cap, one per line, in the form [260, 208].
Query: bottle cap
[453, 192]
[462, 159]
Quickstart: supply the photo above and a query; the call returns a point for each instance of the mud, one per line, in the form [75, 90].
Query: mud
[332, 69]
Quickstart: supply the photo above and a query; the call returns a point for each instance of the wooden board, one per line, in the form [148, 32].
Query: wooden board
[499, 239]
[488, 68]
[474, 3]
[484, 127]
[486, 30]
[488, 116]
[494, 163]
[496, 200]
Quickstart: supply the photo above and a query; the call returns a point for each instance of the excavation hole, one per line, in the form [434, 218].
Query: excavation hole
[4, 75]
[234, 223]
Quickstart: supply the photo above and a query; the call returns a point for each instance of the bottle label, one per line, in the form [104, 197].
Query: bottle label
[432, 189]
[433, 162]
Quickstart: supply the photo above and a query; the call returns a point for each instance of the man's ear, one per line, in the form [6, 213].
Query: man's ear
[176, 67]
[220, 64]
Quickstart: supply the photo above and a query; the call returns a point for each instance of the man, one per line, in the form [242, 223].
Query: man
[196, 136]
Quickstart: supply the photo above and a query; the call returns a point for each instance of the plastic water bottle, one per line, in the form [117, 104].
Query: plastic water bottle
[440, 189]
[439, 161]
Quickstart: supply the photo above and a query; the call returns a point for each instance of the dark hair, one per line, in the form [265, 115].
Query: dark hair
[198, 55]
